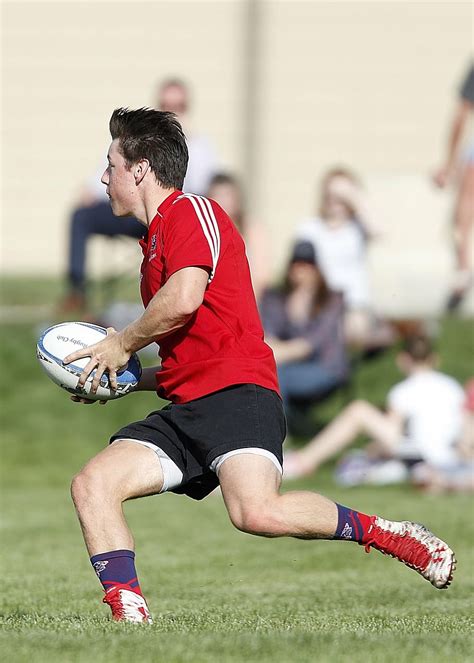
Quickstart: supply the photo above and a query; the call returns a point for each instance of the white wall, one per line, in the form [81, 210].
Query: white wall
[368, 84]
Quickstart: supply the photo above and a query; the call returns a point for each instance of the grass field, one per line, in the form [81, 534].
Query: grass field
[217, 595]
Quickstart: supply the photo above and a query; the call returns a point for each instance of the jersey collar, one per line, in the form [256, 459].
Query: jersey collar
[167, 202]
[165, 205]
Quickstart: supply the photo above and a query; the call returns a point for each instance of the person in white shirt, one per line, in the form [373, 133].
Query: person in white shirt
[339, 234]
[423, 421]
[454, 474]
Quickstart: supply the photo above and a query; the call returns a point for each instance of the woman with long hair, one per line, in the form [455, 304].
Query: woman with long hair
[303, 322]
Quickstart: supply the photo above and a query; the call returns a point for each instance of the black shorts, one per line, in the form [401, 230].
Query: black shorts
[193, 434]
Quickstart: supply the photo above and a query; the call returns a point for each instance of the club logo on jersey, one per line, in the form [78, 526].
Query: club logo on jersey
[99, 567]
[346, 532]
[152, 253]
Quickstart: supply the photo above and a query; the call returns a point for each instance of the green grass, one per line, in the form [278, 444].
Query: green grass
[46, 291]
[217, 595]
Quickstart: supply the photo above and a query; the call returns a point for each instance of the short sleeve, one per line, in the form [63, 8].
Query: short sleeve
[192, 237]
[396, 398]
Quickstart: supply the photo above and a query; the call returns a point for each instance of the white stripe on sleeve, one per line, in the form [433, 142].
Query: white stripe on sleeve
[209, 226]
[213, 221]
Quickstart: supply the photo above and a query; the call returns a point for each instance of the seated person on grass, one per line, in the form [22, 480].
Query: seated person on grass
[423, 421]
[458, 475]
[304, 325]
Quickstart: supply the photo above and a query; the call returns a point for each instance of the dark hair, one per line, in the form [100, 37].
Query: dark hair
[303, 251]
[153, 135]
[418, 347]
[323, 294]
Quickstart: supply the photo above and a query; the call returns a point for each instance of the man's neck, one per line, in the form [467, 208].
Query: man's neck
[152, 202]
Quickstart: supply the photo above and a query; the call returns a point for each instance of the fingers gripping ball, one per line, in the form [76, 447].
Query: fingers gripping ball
[59, 341]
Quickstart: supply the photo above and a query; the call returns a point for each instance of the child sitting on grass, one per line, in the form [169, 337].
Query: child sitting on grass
[423, 421]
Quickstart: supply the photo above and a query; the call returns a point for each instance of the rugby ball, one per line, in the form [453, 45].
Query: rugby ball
[59, 341]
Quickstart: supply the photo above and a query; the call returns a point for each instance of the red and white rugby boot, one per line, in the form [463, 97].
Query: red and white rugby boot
[127, 605]
[415, 546]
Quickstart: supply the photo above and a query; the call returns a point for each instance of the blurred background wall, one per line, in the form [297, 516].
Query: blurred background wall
[285, 89]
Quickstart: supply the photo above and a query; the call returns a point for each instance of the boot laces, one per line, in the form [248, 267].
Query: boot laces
[405, 547]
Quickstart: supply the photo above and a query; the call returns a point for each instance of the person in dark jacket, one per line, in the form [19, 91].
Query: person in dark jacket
[304, 325]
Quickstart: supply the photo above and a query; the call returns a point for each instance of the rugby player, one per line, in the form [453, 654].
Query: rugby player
[224, 424]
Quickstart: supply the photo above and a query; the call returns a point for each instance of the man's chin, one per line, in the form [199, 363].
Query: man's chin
[120, 212]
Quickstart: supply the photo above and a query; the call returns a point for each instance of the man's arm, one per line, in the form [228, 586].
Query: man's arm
[171, 308]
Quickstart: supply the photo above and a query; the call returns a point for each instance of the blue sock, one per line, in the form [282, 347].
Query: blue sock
[351, 525]
[116, 567]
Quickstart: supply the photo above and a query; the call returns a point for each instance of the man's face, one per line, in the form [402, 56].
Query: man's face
[120, 182]
[173, 98]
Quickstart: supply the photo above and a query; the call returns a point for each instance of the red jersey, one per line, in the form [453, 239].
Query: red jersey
[222, 344]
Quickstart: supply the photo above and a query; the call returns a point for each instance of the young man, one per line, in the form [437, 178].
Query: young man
[423, 422]
[225, 423]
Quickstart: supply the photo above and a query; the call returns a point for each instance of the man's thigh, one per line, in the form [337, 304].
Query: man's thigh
[248, 482]
[127, 469]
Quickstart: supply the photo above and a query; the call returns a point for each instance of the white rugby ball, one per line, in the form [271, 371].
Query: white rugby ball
[61, 340]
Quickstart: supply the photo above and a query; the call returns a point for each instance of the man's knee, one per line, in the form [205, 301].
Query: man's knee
[261, 520]
[90, 485]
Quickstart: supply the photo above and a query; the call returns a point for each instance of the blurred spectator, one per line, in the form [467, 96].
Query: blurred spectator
[339, 234]
[174, 96]
[462, 172]
[458, 475]
[303, 324]
[93, 215]
[225, 189]
[423, 421]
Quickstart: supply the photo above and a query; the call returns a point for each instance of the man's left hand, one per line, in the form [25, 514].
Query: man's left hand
[107, 356]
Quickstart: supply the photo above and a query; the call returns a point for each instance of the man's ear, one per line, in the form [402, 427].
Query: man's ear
[140, 169]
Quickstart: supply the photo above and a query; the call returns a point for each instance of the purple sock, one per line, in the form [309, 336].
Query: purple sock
[116, 567]
[351, 525]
